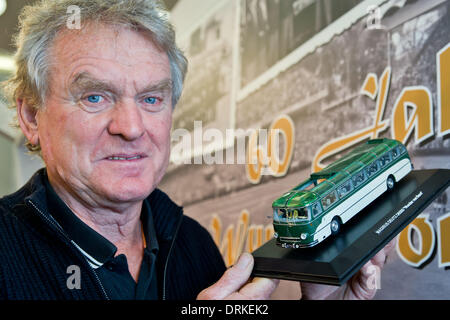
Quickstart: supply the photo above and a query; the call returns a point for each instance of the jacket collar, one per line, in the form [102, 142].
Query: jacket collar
[166, 214]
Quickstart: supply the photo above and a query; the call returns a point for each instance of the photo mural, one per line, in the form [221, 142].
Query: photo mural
[326, 76]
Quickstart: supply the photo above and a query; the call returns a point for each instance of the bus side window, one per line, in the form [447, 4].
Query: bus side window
[358, 178]
[388, 157]
[384, 160]
[395, 152]
[316, 209]
[329, 200]
[372, 169]
[345, 189]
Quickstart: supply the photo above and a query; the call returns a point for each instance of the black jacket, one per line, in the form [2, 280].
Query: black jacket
[35, 253]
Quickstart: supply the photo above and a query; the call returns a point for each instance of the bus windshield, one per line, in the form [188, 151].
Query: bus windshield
[291, 214]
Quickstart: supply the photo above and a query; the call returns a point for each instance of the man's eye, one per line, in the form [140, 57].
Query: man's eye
[151, 100]
[95, 102]
[94, 99]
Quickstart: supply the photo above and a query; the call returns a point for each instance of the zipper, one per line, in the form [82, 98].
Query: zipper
[100, 283]
[58, 227]
[168, 256]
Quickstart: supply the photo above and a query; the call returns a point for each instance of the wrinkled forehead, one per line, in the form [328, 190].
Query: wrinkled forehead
[105, 49]
[121, 39]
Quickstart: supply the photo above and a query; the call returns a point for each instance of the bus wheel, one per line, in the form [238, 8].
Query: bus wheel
[390, 182]
[335, 225]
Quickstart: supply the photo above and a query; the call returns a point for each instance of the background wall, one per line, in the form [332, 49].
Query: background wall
[255, 60]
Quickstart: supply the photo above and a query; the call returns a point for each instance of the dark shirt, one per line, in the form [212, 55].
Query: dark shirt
[112, 270]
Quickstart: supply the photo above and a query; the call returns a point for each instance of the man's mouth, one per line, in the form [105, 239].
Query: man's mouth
[125, 158]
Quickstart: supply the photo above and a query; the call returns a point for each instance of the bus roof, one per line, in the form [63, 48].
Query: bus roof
[295, 199]
[364, 153]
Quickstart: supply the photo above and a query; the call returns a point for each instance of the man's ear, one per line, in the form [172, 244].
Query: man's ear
[27, 116]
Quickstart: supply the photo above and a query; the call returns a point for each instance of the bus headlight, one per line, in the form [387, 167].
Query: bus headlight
[303, 236]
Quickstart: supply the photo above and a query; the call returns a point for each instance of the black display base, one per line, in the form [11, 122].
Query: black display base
[338, 258]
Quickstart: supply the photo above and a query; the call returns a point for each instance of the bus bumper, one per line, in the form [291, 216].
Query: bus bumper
[294, 244]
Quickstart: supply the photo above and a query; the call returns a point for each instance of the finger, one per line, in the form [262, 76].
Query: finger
[231, 281]
[259, 289]
[390, 246]
[362, 286]
[314, 291]
[380, 258]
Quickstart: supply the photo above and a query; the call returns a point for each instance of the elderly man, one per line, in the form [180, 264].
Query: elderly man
[96, 103]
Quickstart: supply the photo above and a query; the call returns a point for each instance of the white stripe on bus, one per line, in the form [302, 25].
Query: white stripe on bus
[357, 202]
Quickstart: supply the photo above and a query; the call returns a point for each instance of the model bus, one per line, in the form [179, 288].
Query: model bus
[317, 207]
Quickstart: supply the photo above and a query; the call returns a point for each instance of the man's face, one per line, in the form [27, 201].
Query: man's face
[105, 127]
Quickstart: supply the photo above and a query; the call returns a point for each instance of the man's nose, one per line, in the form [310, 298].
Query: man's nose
[127, 121]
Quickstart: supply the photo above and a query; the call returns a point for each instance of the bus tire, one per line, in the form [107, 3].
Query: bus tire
[390, 182]
[335, 225]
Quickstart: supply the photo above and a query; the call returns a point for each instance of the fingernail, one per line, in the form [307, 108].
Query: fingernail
[244, 260]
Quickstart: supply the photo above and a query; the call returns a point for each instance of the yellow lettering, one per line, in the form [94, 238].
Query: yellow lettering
[254, 164]
[370, 86]
[443, 90]
[227, 246]
[417, 102]
[258, 235]
[285, 126]
[416, 255]
[216, 226]
[252, 232]
[232, 245]
[242, 229]
[268, 231]
[443, 230]
[259, 158]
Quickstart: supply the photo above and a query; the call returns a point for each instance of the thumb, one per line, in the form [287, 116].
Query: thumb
[232, 280]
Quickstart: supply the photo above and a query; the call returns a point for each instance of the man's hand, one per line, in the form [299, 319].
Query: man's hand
[236, 285]
[359, 287]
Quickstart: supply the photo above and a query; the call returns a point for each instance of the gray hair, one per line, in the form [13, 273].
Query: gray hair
[40, 23]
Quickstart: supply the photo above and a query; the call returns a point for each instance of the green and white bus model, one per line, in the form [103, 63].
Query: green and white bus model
[317, 207]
